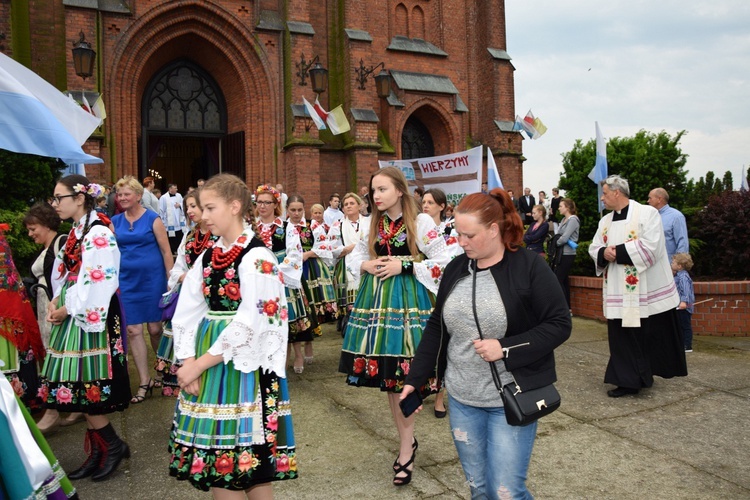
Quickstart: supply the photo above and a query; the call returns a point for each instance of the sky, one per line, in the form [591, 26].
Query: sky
[633, 64]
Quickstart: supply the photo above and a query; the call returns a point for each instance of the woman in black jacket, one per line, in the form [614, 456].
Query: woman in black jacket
[523, 319]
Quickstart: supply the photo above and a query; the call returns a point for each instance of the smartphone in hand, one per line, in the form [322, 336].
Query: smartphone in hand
[410, 403]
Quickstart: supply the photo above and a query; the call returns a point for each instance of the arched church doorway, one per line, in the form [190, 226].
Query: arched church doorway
[184, 123]
[416, 140]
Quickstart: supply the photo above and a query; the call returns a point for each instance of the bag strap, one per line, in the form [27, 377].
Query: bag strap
[493, 368]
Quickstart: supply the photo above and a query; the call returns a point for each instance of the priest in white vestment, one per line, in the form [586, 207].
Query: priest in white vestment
[639, 295]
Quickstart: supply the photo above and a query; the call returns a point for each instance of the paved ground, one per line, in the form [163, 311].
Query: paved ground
[683, 438]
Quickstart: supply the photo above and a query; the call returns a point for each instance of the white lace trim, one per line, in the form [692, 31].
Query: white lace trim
[251, 350]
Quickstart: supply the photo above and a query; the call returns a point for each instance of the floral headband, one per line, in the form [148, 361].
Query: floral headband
[94, 190]
[268, 189]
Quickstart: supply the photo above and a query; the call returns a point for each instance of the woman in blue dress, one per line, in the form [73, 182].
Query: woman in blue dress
[232, 430]
[144, 270]
[400, 258]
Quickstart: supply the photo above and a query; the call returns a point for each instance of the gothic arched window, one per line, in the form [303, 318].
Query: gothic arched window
[182, 97]
[416, 140]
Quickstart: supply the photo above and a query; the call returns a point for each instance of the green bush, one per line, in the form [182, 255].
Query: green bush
[584, 264]
[25, 179]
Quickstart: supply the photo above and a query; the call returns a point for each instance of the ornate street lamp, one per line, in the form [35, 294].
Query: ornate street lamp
[83, 57]
[319, 78]
[363, 73]
[383, 83]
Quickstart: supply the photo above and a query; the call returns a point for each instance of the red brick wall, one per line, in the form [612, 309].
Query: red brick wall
[250, 65]
[727, 314]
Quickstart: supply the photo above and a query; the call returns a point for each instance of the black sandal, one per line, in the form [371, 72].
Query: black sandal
[414, 447]
[402, 481]
[147, 389]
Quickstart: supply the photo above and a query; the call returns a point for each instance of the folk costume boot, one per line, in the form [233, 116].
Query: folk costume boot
[114, 450]
[92, 448]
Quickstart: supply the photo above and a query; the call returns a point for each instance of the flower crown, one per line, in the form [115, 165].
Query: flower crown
[94, 190]
[268, 189]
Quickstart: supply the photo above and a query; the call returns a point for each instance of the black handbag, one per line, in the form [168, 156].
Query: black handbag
[521, 407]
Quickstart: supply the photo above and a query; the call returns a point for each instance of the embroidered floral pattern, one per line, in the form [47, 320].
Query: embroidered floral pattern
[99, 241]
[266, 267]
[97, 275]
[238, 468]
[272, 310]
[631, 278]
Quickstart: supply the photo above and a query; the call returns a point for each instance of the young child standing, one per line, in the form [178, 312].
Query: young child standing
[681, 264]
[232, 429]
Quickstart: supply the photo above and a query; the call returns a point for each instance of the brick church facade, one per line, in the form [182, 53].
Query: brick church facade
[194, 87]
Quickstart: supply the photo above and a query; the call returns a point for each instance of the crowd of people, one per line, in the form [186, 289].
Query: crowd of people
[233, 286]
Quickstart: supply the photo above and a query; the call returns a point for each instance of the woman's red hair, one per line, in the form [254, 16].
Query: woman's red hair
[495, 207]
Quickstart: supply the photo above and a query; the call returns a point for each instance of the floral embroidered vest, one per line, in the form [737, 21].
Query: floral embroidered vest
[221, 287]
[306, 238]
[397, 244]
[193, 247]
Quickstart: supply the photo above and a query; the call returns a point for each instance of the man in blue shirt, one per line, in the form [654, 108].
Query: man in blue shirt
[672, 221]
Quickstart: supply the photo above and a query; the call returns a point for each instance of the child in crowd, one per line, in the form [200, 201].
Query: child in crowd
[232, 429]
[101, 205]
[681, 264]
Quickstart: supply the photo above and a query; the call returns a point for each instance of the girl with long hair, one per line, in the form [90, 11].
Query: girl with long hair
[400, 262]
[193, 244]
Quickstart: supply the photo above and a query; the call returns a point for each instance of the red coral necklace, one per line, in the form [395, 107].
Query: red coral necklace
[201, 244]
[220, 260]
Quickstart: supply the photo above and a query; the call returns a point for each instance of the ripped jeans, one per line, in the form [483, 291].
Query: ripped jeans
[495, 456]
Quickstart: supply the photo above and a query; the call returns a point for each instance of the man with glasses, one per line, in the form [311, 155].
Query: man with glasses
[172, 215]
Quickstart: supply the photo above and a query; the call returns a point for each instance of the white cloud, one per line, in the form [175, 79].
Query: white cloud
[631, 65]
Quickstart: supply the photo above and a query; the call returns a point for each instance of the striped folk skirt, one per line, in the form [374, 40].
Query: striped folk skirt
[86, 371]
[320, 289]
[237, 432]
[383, 332]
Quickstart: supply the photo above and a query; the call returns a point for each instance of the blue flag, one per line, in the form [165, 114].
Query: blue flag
[493, 177]
[36, 118]
[599, 172]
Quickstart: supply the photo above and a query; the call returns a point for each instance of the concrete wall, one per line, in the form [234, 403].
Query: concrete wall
[727, 314]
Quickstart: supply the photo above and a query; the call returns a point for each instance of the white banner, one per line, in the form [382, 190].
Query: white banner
[458, 174]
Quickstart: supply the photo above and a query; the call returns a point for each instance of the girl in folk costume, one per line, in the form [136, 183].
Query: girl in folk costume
[283, 240]
[344, 235]
[232, 430]
[316, 272]
[400, 259]
[296, 211]
[434, 204]
[86, 368]
[192, 246]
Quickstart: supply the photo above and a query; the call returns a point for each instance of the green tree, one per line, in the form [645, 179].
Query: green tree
[697, 194]
[646, 160]
[727, 183]
[26, 178]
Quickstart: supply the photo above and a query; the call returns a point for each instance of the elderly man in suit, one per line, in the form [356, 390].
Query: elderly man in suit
[525, 204]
